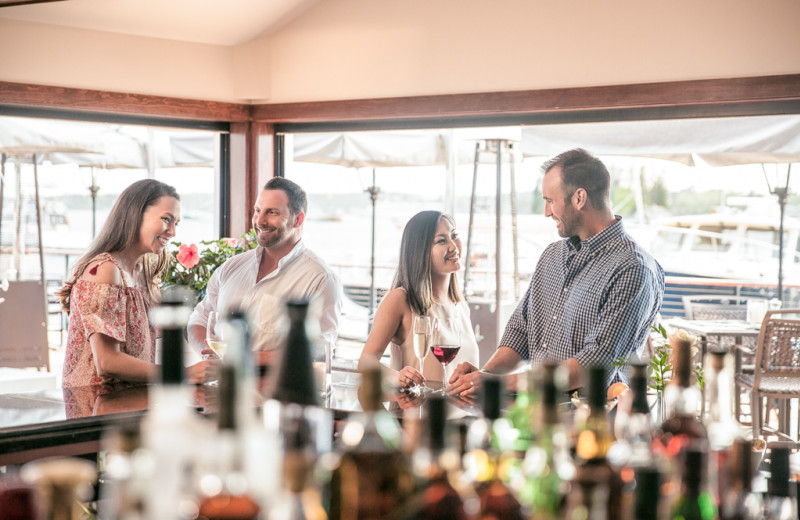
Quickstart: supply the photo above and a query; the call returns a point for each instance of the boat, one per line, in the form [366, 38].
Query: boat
[724, 254]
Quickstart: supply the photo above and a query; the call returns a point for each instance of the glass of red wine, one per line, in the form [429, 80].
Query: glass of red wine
[445, 345]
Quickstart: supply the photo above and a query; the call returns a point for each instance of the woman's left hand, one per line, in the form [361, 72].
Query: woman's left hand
[409, 377]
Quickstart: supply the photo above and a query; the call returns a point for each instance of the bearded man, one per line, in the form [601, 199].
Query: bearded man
[263, 279]
[593, 296]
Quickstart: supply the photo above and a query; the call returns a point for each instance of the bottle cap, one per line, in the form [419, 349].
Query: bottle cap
[597, 386]
[682, 360]
[437, 420]
[370, 393]
[492, 396]
[639, 388]
[226, 419]
[779, 472]
[648, 492]
[296, 382]
[741, 462]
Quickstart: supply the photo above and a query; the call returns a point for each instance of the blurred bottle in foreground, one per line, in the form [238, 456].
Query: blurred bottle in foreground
[779, 504]
[436, 498]
[547, 466]
[596, 490]
[171, 429]
[694, 501]
[738, 500]
[372, 478]
[489, 440]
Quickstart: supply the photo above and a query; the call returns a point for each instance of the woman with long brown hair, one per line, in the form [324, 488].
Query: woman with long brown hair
[113, 286]
[425, 284]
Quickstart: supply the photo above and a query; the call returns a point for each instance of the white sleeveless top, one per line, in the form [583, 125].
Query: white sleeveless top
[403, 355]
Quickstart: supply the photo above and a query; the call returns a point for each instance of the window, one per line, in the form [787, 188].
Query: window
[82, 169]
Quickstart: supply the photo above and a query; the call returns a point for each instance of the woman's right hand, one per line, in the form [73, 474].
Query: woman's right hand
[203, 372]
[408, 377]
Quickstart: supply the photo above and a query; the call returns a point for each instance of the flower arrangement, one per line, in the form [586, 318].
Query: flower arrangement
[192, 266]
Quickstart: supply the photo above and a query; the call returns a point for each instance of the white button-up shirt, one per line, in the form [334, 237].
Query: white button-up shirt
[300, 275]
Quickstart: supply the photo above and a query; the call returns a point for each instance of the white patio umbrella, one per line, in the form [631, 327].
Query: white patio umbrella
[700, 141]
[371, 150]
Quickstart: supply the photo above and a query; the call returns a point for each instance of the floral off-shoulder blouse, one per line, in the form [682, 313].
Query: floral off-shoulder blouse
[119, 312]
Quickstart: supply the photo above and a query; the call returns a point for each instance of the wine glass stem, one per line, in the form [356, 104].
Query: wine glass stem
[444, 379]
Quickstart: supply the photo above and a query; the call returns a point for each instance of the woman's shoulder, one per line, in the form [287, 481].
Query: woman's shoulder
[102, 269]
[397, 297]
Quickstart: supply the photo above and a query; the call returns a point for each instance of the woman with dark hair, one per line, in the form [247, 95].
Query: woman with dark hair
[425, 285]
[113, 287]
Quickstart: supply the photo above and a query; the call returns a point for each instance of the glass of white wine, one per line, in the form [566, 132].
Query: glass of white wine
[214, 336]
[423, 329]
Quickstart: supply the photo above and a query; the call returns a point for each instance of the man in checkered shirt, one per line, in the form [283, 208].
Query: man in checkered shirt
[594, 295]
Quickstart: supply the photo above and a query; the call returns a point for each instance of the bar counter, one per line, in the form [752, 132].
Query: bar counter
[72, 421]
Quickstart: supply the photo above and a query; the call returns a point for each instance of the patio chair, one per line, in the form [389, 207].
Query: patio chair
[776, 373]
[715, 307]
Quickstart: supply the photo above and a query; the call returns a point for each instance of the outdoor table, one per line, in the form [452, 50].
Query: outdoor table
[719, 335]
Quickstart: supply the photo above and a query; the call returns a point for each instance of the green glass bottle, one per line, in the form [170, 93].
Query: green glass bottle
[547, 465]
[694, 502]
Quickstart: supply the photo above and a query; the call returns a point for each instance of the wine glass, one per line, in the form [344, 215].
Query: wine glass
[423, 329]
[214, 336]
[445, 345]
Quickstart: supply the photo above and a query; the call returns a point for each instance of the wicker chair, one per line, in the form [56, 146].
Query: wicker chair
[776, 373]
[715, 307]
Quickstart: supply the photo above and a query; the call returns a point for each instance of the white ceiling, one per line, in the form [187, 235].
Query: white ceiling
[218, 22]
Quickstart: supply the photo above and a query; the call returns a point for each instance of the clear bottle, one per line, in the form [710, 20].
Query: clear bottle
[597, 483]
[547, 466]
[738, 500]
[225, 487]
[372, 478]
[489, 441]
[171, 429]
[722, 429]
[694, 501]
[633, 451]
[682, 429]
[436, 497]
[122, 486]
[779, 504]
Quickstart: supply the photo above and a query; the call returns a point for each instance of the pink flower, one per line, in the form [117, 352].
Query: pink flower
[231, 242]
[188, 255]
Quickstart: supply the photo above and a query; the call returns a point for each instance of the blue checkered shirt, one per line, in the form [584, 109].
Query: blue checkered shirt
[594, 302]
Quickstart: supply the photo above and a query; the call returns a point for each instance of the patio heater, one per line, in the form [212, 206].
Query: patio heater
[781, 190]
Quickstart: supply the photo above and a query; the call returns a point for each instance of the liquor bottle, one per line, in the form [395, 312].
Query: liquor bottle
[489, 439]
[122, 486]
[694, 501]
[597, 483]
[548, 465]
[523, 410]
[64, 483]
[372, 478]
[647, 495]
[779, 504]
[436, 498]
[682, 428]
[722, 429]
[261, 440]
[296, 383]
[633, 451]
[171, 429]
[299, 499]
[738, 501]
[225, 486]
